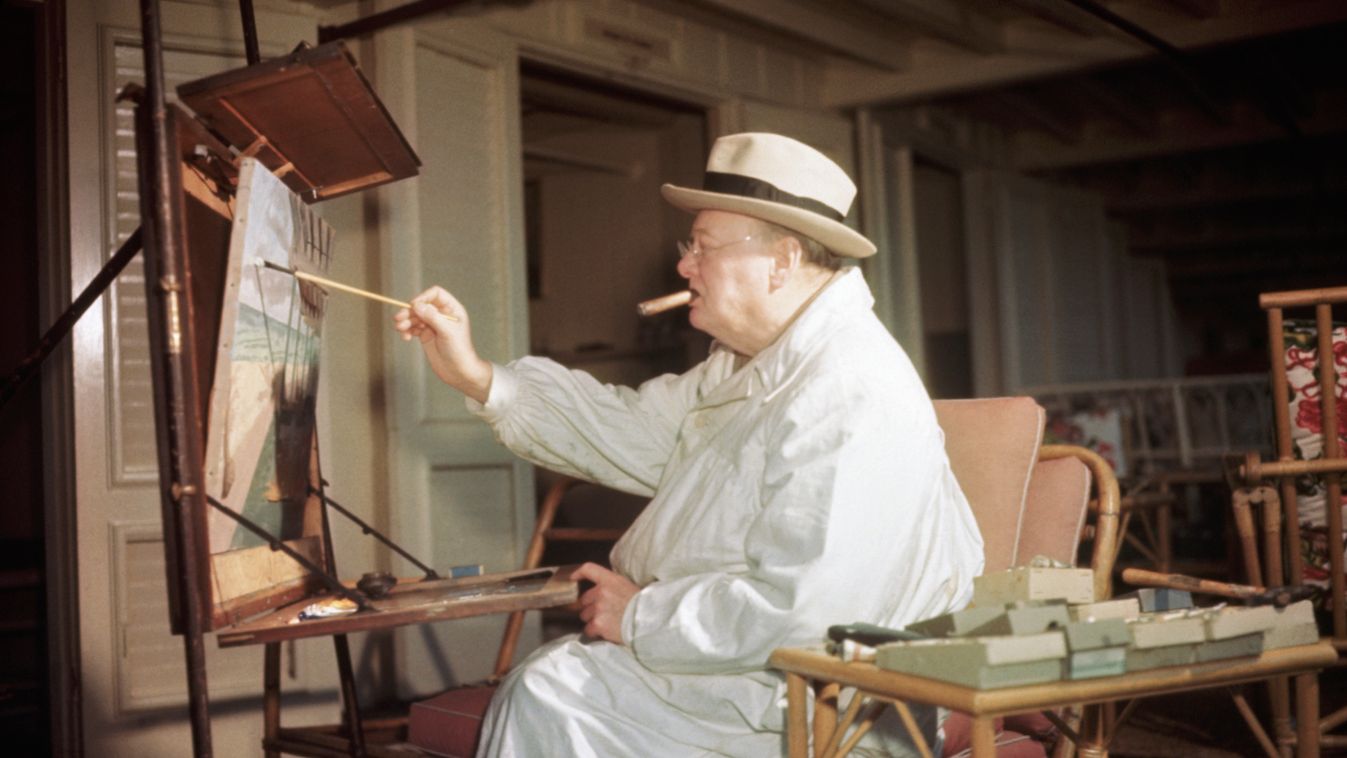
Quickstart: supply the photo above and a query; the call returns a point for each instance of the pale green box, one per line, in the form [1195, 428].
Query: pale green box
[1088, 635]
[956, 624]
[1160, 657]
[981, 662]
[1091, 664]
[1026, 618]
[1033, 583]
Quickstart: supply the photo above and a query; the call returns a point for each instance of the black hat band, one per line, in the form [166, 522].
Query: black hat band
[747, 186]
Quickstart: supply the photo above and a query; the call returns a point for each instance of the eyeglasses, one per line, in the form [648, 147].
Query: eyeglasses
[690, 249]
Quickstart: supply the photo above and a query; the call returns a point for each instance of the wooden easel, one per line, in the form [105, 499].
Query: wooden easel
[186, 170]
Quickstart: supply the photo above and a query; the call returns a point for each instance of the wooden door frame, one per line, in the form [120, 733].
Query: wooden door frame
[59, 519]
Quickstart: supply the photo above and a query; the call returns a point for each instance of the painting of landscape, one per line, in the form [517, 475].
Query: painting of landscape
[261, 417]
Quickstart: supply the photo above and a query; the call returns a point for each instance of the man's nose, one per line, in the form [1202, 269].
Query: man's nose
[685, 265]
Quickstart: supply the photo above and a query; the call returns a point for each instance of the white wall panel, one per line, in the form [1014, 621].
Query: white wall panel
[1070, 305]
[459, 225]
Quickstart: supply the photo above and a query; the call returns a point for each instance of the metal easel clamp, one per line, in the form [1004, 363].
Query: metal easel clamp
[355, 596]
[430, 573]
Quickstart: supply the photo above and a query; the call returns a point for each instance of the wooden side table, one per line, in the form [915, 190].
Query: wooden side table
[805, 665]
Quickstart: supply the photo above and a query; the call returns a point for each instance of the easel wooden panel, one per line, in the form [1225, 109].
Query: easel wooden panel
[187, 177]
[416, 602]
[298, 115]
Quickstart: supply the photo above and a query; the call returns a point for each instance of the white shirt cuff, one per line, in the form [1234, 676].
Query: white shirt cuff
[629, 619]
[499, 398]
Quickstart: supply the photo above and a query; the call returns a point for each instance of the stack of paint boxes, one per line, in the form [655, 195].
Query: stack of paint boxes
[1031, 625]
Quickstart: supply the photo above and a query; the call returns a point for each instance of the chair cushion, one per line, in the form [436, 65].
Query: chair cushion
[450, 723]
[992, 445]
[1059, 496]
[1009, 743]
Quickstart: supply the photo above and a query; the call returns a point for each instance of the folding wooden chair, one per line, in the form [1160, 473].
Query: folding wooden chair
[449, 723]
[1267, 504]
[545, 532]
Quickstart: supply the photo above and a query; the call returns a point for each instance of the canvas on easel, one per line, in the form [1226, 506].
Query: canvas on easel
[264, 391]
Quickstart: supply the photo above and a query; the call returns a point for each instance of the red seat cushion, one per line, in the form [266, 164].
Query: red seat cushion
[1009, 744]
[450, 724]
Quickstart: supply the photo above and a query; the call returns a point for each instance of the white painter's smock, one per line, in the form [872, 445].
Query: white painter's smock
[807, 488]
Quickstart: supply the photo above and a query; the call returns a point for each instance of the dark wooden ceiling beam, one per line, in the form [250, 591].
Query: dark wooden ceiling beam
[1227, 264]
[1099, 97]
[952, 22]
[1198, 8]
[1235, 193]
[1060, 15]
[1179, 132]
[1035, 50]
[1213, 239]
[1025, 106]
[821, 27]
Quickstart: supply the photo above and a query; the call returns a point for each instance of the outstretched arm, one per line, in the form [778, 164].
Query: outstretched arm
[440, 321]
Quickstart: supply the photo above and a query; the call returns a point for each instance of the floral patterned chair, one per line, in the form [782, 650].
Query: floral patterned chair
[1289, 511]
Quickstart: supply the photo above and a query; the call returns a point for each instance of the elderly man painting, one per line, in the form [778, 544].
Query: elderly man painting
[797, 479]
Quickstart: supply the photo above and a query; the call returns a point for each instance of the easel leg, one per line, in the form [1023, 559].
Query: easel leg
[198, 701]
[348, 696]
[271, 699]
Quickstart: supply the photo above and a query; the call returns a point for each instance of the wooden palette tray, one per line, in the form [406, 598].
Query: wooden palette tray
[310, 117]
[415, 602]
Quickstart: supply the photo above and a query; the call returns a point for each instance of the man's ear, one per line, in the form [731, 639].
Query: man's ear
[787, 255]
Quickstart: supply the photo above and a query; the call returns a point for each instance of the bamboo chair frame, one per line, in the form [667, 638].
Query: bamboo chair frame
[1269, 487]
[1087, 727]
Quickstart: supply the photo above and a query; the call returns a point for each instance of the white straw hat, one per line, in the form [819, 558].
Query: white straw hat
[781, 180]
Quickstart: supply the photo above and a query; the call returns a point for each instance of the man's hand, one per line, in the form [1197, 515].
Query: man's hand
[602, 606]
[446, 342]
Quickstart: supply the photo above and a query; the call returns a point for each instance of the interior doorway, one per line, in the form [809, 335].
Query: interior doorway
[942, 263]
[600, 237]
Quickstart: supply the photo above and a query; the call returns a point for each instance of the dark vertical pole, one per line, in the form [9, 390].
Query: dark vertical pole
[271, 699]
[346, 674]
[62, 564]
[249, 32]
[177, 411]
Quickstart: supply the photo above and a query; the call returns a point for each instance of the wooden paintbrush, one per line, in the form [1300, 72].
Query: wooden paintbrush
[325, 282]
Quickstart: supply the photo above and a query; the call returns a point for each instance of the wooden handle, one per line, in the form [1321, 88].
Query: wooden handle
[1144, 578]
[325, 282]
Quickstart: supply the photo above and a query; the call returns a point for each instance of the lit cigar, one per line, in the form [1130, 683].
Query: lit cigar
[665, 303]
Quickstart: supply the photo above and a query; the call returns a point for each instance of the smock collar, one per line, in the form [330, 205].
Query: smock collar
[841, 300]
